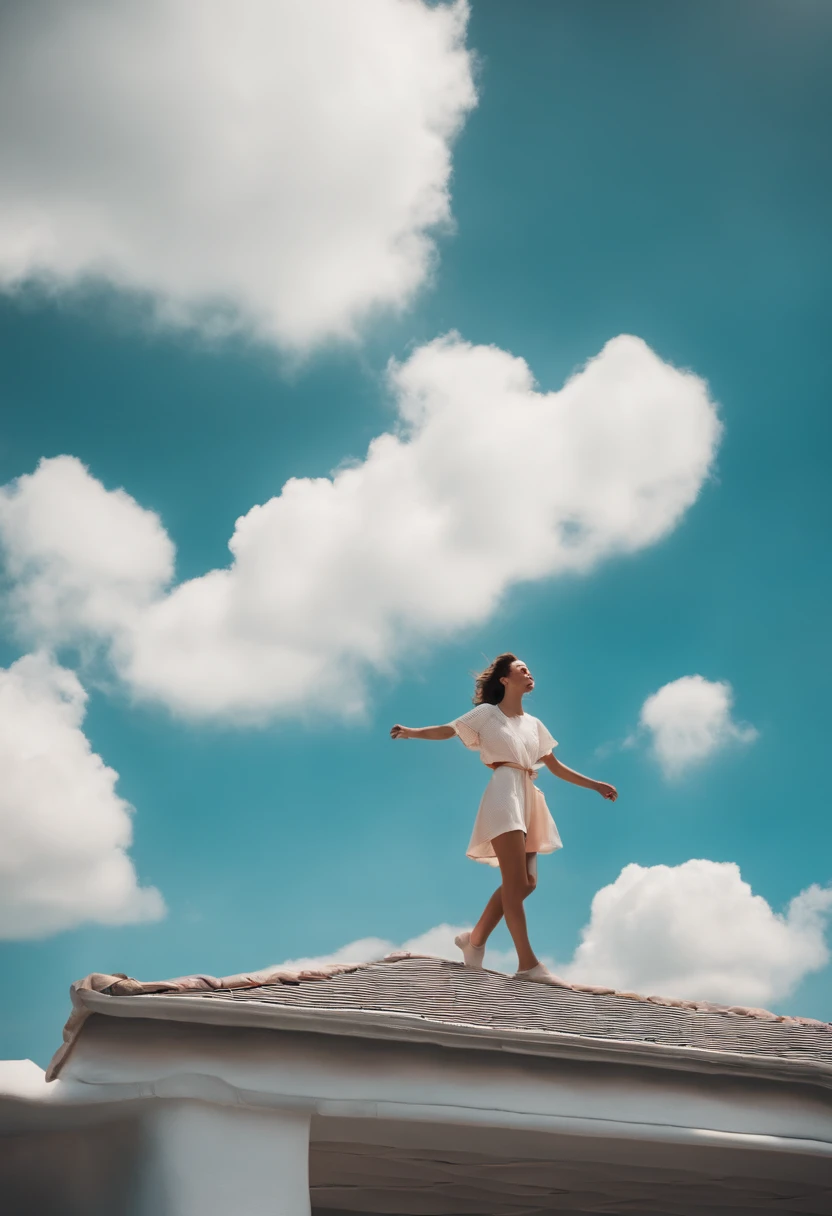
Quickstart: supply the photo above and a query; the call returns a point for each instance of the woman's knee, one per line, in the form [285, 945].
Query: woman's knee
[518, 883]
[516, 893]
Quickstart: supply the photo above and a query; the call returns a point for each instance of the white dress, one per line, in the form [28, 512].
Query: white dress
[511, 800]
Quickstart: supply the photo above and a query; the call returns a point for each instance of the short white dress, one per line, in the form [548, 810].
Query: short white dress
[511, 800]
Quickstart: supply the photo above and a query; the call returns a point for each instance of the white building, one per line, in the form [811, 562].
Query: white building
[416, 1086]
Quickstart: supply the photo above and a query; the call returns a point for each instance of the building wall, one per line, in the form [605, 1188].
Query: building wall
[154, 1118]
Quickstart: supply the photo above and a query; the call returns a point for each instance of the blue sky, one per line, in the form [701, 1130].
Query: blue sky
[641, 168]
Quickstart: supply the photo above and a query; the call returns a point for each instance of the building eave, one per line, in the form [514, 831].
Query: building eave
[410, 1028]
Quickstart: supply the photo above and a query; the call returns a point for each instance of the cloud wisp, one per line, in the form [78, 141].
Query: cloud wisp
[485, 482]
[279, 168]
[438, 941]
[64, 831]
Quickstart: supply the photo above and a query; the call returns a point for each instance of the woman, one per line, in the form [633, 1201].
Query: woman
[513, 824]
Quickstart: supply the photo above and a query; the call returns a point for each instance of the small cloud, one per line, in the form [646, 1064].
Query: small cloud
[438, 942]
[687, 721]
[364, 950]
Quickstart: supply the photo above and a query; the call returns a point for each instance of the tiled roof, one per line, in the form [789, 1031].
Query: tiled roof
[409, 996]
[446, 992]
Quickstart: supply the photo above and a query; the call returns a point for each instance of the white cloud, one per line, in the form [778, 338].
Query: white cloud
[64, 831]
[271, 165]
[486, 483]
[694, 931]
[438, 941]
[698, 932]
[83, 559]
[689, 720]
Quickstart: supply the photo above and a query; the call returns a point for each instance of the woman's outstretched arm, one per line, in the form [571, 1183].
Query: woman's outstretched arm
[422, 732]
[568, 774]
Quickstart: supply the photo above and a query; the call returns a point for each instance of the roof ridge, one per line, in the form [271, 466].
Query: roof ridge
[123, 985]
[748, 1011]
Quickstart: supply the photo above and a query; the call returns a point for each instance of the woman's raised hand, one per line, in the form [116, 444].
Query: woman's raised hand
[400, 732]
[607, 791]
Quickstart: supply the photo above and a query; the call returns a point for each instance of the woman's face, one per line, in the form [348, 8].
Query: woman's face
[519, 677]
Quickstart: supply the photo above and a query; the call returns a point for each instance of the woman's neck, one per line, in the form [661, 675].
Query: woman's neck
[512, 704]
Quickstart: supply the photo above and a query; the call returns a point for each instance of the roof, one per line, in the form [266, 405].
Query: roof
[449, 992]
[408, 997]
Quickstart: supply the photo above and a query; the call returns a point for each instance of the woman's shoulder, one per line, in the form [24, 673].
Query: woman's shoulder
[478, 713]
[484, 714]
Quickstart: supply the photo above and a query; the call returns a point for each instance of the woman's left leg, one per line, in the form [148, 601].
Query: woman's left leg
[493, 911]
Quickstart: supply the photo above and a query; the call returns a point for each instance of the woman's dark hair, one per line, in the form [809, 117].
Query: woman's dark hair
[488, 690]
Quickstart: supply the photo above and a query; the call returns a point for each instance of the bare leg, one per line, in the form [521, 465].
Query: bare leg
[490, 919]
[519, 871]
[510, 848]
[493, 911]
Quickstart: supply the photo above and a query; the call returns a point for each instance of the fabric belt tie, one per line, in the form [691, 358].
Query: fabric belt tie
[530, 772]
[530, 791]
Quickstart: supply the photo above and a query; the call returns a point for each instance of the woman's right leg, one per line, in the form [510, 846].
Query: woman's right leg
[491, 916]
[510, 848]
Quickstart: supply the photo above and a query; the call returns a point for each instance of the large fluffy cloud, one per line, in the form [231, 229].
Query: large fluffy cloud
[486, 482]
[64, 831]
[694, 931]
[697, 931]
[689, 720]
[268, 164]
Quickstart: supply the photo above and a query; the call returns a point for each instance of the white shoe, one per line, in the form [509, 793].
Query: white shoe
[473, 955]
[541, 975]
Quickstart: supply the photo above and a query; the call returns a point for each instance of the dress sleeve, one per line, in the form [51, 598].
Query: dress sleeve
[547, 742]
[468, 726]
